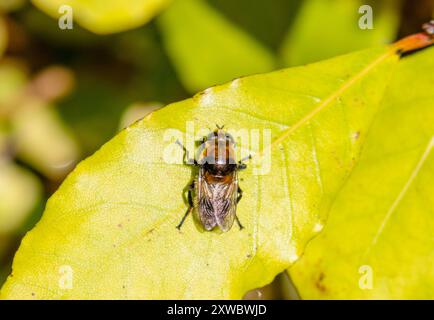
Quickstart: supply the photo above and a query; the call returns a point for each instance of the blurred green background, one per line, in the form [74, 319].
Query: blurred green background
[63, 93]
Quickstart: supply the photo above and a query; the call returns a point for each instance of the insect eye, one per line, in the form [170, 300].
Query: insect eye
[211, 136]
[229, 137]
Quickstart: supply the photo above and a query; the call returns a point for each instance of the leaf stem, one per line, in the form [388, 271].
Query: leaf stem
[416, 41]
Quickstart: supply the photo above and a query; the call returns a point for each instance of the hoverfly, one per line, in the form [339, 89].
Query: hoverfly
[216, 190]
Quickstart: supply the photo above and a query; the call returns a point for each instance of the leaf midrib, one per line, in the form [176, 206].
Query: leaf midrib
[331, 98]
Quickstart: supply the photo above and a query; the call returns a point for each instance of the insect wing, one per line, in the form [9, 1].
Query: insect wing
[217, 203]
[204, 202]
[227, 204]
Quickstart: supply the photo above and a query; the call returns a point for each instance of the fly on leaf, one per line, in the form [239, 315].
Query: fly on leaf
[215, 192]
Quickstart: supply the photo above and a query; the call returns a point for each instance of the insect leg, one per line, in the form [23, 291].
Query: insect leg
[189, 160]
[240, 195]
[183, 218]
[239, 223]
[241, 165]
[190, 198]
[190, 205]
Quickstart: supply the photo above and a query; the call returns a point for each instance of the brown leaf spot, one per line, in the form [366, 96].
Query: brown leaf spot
[319, 283]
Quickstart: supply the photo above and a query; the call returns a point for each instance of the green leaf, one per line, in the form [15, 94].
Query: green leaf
[110, 228]
[326, 28]
[381, 225]
[207, 49]
[107, 16]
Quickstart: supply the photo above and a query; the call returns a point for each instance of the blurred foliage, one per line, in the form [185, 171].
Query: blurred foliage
[228, 52]
[106, 16]
[11, 5]
[63, 93]
[36, 132]
[414, 14]
[3, 35]
[20, 190]
[43, 141]
[13, 79]
[136, 112]
[327, 28]
[266, 21]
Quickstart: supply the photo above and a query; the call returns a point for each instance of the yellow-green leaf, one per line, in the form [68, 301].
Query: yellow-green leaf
[378, 242]
[206, 48]
[104, 16]
[109, 231]
[326, 28]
